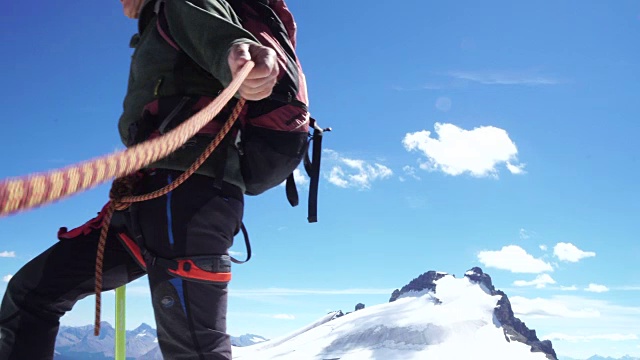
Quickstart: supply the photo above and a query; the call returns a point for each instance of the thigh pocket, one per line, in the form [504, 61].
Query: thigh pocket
[212, 228]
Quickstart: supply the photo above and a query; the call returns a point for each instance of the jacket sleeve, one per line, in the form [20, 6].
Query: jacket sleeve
[205, 30]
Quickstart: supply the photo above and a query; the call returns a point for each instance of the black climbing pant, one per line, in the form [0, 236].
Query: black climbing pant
[197, 220]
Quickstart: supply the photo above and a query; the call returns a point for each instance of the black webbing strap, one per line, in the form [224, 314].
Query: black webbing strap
[292, 191]
[307, 163]
[312, 166]
[247, 243]
[288, 99]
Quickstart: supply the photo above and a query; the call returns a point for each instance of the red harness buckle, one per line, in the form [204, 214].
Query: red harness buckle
[189, 270]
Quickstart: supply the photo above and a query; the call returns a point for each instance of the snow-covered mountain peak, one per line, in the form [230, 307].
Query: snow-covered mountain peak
[436, 316]
[144, 330]
[246, 340]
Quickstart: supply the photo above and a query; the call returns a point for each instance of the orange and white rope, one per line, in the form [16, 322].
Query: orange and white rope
[22, 193]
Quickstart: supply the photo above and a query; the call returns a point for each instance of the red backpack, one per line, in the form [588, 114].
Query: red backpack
[274, 132]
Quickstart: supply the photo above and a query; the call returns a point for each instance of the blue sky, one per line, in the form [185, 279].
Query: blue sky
[500, 135]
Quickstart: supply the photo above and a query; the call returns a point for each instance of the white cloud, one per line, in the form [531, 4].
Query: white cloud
[284, 317]
[300, 178]
[596, 288]
[461, 79]
[6, 278]
[456, 151]
[628, 288]
[569, 252]
[336, 177]
[516, 169]
[539, 282]
[443, 104]
[353, 173]
[306, 292]
[514, 259]
[302, 181]
[560, 308]
[579, 316]
[543, 247]
[587, 338]
[524, 235]
[504, 77]
[410, 171]
[7, 254]
[569, 288]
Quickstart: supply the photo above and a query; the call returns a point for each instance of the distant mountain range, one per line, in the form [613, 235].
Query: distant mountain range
[79, 343]
[597, 357]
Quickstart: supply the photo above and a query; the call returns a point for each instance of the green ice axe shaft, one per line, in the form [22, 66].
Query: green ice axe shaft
[120, 351]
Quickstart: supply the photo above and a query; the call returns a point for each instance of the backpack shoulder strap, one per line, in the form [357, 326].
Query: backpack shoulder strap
[146, 15]
[286, 17]
[163, 26]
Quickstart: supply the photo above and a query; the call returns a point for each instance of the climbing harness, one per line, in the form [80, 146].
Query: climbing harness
[33, 190]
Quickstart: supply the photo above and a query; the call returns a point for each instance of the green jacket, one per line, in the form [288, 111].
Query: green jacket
[204, 30]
